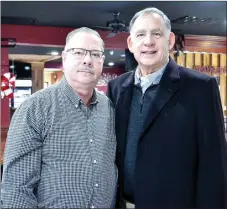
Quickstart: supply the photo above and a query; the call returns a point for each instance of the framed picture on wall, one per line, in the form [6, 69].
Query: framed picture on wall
[21, 94]
[46, 84]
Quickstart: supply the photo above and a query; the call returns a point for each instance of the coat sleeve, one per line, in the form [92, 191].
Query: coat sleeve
[22, 158]
[119, 201]
[212, 157]
[109, 93]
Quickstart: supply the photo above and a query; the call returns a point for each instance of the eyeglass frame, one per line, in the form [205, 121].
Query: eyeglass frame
[86, 51]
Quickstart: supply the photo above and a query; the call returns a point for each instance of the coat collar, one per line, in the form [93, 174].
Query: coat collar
[168, 86]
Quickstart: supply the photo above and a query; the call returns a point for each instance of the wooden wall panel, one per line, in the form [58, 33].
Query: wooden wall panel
[215, 63]
[37, 76]
[189, 60]
[181, 59]
[206, 59]
[172, 55]
[223, 82]
[198, 59]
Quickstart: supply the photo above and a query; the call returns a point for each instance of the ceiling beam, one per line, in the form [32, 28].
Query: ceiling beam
[30, 58]
[210, 44]
[54, 36]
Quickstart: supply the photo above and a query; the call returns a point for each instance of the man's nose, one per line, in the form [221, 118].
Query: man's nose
[149, 40]
[87, 59]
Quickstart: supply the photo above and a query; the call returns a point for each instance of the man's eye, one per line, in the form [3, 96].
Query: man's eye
[139, 34]
[78, 53]
[96, 54]
[157, 34]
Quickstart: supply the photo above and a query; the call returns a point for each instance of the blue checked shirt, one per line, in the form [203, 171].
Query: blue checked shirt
[60, 153]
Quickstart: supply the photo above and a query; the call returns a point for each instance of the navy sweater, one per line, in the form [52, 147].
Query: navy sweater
[139, 108]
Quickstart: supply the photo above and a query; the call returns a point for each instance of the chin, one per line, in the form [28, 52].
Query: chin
[151, 62]
[87, 81]
[86, 77]
[148, 63]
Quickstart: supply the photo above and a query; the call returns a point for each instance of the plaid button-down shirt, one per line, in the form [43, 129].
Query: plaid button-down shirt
[59, 153]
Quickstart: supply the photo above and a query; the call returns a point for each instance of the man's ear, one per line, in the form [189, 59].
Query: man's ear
[171, 40]
[63, 56]
[129, 42]
[103, 58]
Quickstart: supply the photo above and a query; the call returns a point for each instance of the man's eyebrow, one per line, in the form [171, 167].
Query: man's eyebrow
[156, 30]
[143, 30]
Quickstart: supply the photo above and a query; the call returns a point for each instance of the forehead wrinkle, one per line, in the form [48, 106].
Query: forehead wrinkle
[156, 19]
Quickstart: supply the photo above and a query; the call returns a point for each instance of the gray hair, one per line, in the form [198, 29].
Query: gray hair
[86, 30]
[150, 10]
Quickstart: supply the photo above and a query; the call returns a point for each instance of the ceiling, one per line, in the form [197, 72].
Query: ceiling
[92, 14]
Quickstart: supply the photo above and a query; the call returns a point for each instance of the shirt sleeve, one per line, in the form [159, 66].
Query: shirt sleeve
[22, 157]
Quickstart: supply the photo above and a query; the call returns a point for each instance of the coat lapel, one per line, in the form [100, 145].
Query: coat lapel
[123, 108]
[168, 86]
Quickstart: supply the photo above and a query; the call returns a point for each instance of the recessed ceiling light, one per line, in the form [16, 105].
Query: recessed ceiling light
[111, 52]
[54, 53]
[27, 68]
[12, 66]
[123, 55]
[111, 64]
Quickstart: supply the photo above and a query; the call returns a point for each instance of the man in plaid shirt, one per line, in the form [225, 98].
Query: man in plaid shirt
[60, 149]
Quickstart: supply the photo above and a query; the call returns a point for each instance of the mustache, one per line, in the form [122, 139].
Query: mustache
[87, 69]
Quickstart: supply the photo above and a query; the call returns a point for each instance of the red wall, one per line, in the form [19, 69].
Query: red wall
[110, 72]
[5, 111]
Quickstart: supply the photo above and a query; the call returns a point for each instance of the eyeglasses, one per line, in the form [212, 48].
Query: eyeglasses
[81, 53]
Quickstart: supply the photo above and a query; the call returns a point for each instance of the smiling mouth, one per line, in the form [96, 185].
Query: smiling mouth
[84, 71]
[149, 52]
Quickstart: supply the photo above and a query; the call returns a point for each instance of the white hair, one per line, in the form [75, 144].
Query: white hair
[84, 29]
[150, 10]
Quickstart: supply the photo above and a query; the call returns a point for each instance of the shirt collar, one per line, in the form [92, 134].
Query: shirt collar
[72, 95]
[153, 78]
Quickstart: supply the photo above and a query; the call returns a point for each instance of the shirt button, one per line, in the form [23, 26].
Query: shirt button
[91, 140]
[95, 161]
[96, 185]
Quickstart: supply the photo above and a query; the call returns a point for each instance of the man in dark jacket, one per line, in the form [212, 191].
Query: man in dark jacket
[169, 125]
